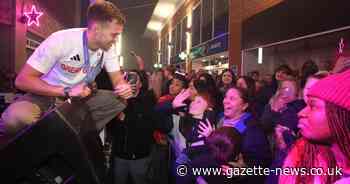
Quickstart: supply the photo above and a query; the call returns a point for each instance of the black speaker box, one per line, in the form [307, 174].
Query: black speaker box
[62, 147]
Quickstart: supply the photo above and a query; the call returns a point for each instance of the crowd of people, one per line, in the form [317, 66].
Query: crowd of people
[162, 122]
[295, 119]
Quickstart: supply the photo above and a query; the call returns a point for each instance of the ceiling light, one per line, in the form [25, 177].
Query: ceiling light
[164, 10]
[155, 25]
[260, 55]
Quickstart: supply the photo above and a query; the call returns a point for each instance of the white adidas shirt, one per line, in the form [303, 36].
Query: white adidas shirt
[61, 58]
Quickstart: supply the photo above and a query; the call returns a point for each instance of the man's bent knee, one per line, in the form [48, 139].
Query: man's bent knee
[19, 115]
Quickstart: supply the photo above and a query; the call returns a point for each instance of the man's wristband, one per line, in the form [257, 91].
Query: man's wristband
[66, 91]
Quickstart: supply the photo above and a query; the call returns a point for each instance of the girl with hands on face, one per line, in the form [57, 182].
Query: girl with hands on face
[179, 100]
[199, 109]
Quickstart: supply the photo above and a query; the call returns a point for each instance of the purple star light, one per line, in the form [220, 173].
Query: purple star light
[33, 16]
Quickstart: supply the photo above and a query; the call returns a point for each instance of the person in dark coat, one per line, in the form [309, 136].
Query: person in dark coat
[282, 112]
[132, 134]
[289, 118]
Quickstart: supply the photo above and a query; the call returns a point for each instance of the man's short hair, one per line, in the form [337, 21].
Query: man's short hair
[104, 12]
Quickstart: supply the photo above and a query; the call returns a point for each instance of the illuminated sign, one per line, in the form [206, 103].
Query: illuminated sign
[33, 16]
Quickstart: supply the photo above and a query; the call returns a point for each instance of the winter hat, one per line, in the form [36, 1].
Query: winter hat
[181, 78]
[334, 88]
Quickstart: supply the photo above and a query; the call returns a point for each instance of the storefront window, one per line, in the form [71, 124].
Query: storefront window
[173, 42]
[321, 49]
[183, 34]
[178, 39]
[162, 51]
[207, 19]
[196, 26]
[221, 17]
[164, 55]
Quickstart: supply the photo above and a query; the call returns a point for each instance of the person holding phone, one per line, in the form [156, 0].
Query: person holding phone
[280, 115]
[132, 132]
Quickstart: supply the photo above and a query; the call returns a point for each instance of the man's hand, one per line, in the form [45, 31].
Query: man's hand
[124, 91]
[81, 90]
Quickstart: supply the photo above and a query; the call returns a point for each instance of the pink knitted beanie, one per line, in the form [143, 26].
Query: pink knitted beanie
[334, 88]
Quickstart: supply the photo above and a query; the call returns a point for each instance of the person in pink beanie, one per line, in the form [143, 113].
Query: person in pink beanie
[326, 119]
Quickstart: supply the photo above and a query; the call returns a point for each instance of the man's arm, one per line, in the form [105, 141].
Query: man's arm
[121, 87]
[116, 78]
[29, 80]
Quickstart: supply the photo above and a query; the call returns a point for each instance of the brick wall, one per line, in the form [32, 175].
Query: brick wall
[58, 14]
[5, 11]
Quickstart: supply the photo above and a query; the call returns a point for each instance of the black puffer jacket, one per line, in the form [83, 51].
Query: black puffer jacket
[189, 125]
[133, 137]
[287, 118]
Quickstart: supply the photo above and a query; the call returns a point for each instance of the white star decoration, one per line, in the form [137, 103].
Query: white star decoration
[33, 16]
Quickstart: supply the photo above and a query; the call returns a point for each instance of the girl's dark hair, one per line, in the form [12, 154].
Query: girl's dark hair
[338, 122]
[211, 85]
[203, 90]
[209, 80]
[250, 85]
[143, 78]
[234, 79]
[224, 143]
[286, 69]
[309, 68]
[182, 79]
[308, 155]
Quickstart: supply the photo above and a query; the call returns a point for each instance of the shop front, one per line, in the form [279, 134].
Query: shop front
[211, 56]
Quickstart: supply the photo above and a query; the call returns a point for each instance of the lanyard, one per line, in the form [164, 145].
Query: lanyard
[86, 66]
[92, 72]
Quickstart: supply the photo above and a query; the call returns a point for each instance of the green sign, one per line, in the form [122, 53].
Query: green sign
[197, 52]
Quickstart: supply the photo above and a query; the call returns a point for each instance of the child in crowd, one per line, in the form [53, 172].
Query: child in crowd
[222, 145]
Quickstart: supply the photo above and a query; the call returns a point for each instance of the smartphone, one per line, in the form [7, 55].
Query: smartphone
[285, 92]
[131, 78]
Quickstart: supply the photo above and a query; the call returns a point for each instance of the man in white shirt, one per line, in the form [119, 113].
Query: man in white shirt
[63, 66]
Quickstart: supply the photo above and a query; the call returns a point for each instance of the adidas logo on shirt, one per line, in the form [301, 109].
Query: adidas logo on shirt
[75, 58]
